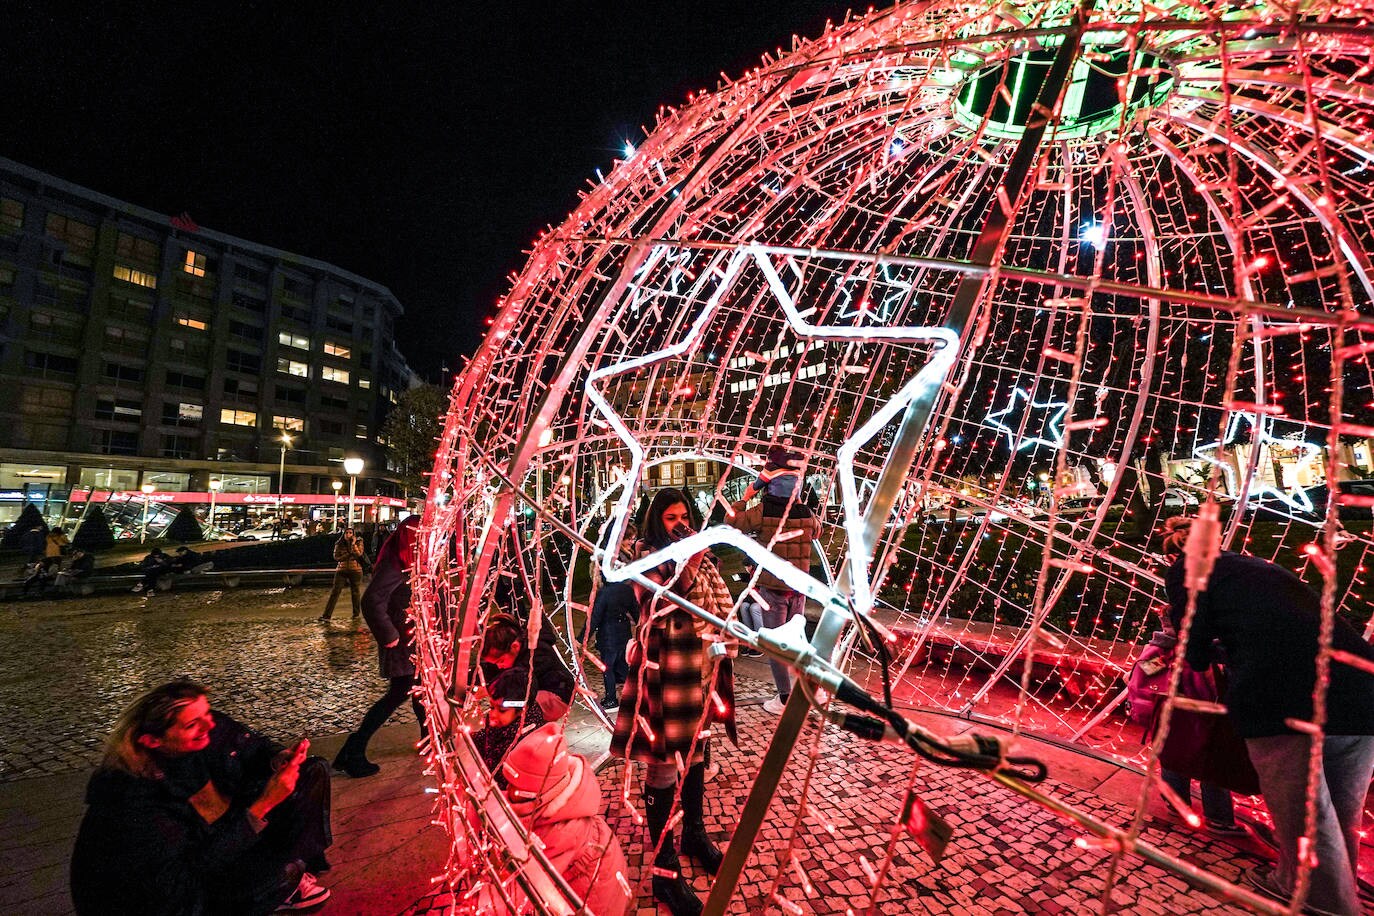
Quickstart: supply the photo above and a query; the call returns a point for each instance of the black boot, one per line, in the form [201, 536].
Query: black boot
[352, 759]
[695, 843]
[670, 889]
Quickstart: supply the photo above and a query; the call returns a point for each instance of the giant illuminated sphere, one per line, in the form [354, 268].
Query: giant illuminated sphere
[1167, 282]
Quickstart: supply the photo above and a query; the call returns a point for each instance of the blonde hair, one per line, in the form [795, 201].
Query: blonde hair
[1175, 536]
[151, 714]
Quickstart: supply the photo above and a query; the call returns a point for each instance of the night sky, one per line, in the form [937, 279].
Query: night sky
[419, 145]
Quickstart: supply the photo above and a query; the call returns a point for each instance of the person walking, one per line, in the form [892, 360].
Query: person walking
[192, 812]
[784, 523]
[673, 692]
[348, 554]
[386, 608]
[1267, 621]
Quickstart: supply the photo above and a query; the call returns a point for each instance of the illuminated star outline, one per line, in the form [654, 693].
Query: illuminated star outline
[1055, 424]
[931, 375]
[1297, 501]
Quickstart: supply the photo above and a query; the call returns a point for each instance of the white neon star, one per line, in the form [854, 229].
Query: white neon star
[1296, 501]
[931, 375]
[1054, 425]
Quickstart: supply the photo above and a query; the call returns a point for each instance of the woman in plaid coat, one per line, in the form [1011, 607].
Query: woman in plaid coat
[674, 692]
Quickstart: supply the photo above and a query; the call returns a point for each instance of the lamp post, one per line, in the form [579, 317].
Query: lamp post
[147, 489]
[352, 467]
[337, 485]
[215, 486]
[281, 475]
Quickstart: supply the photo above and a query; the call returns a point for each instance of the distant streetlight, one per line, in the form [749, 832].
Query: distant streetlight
[215, 486]
[337, 485]
[352, 467]
[281, 474]
[148, 490]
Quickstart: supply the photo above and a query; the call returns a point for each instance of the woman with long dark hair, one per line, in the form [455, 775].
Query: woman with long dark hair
[386, 608]
[674, 690]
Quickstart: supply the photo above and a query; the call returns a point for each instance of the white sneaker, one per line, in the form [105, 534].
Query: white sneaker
[137, 588]
[774, 706]
[306, 895]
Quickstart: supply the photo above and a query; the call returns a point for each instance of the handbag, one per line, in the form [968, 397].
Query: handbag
[1205, 747]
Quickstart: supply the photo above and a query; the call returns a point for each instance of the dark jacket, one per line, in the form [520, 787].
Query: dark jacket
[142, 848]
[386, 608]
[613, 615]
[1267, 621]
[549, 672]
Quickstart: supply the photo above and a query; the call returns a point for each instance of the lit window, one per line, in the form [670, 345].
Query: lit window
[292, 367]
[195, 324]
[361, 431]
[330, 374]
[238, 417]
[194, 263]
[136, 277]
[364, 383]
[339, 350]
[11, 216]
[289, 424]
[287, 339]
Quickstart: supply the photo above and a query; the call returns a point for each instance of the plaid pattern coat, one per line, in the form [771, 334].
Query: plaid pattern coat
[671, 676]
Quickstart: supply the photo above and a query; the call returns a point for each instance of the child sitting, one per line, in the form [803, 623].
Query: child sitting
[557, 797]
[504, 719]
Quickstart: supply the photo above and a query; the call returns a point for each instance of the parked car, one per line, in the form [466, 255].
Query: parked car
[1271, 507]
[269, 533]
[1178, 499]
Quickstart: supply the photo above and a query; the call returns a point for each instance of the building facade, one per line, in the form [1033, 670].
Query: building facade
[137, 349]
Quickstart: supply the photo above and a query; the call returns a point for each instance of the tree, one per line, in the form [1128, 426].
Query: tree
[95, 533]
[412, 429]
[185, 527]
[28, 519]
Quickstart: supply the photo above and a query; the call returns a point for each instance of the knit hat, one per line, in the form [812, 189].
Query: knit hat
[540, 771]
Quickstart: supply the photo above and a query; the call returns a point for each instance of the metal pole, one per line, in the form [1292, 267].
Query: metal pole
[281, 481]
[834, 616]
[352, 496]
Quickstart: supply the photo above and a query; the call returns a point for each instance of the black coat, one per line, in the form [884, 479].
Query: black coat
[386, 608]
[613, 615]
[1267, 620]
[142, 848]
[547, 669]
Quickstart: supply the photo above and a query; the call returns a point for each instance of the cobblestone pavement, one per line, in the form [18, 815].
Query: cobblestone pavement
[1007, 855]
[69, 667]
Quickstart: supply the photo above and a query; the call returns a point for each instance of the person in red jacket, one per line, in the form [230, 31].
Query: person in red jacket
[556, 796]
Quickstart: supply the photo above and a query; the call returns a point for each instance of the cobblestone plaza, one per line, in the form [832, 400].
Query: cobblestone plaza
[269, 662]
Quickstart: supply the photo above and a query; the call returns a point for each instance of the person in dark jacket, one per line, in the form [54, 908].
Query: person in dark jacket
[154, 566]
[509, 717]
[189, 561]
[193, 814]
[34, 543]
[80, 565]
[613, 614]
[386, 608]
[505, 645]
[1267, 621]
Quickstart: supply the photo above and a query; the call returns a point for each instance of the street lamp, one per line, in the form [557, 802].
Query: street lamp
[215, 486]
[352, 467]
[147, 489]
[281, 474]
[337, 485]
